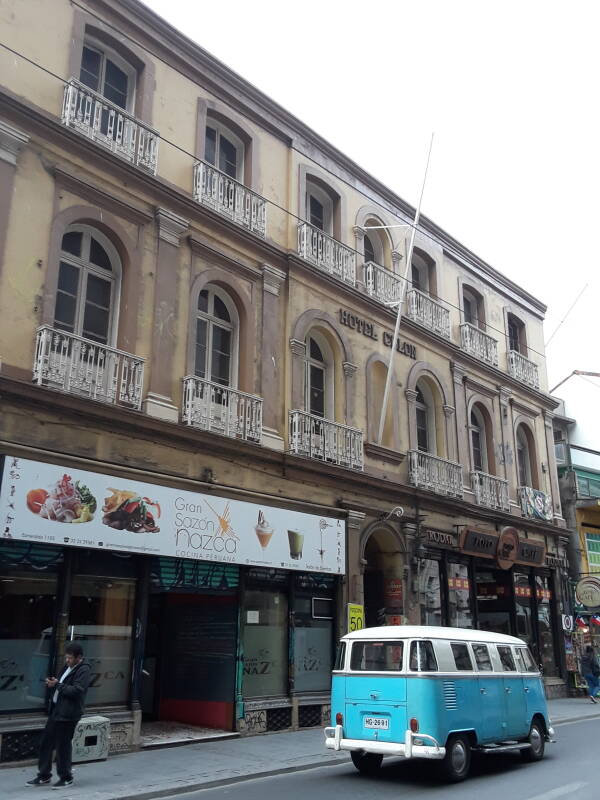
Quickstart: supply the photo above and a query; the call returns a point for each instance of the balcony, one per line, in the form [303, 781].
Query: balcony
[383, 284]
[84, 368]
[435, 474]
[323, 440]
[230, 198]
[109, 126]
[477, 343]
[426, 311]
[211, 407]
[523, 369]
[326, 253]
[490, 491]
[535, 504]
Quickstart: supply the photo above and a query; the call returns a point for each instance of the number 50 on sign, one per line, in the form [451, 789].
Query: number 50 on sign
[356, 617]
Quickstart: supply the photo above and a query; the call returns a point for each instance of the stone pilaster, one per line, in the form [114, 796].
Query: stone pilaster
[551, 467]
[12, 141]
[355, 523]
[462, 426]
[271, 370]
[411, 406]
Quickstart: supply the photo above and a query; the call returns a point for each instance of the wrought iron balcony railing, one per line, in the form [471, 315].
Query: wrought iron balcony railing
[321, 439]
[220, 409]
[326, 253]
[523, 369]
[535, 504]
[490, 491]
[230, 198]
[435, 474]
[479, 344]
[79, 366]
[110, 126]
[422, 308]
[383, 284]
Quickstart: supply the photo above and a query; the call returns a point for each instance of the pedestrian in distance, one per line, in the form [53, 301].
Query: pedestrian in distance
[65, 710]
[590, 669]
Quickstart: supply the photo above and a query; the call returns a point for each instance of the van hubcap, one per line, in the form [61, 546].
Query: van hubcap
[535, 739]
[459, 757]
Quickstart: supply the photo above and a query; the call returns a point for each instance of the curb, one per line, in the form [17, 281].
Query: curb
[563, 720]
[195, 787]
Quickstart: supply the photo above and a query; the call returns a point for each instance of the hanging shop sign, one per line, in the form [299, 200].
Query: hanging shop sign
[507, 548]
[370, 330]
[441, 538]
[567, 623]
[587, 592]
[477, 543]
[50, 504]
[554, 561]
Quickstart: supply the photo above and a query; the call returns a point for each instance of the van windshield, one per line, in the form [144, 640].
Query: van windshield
[377, 656]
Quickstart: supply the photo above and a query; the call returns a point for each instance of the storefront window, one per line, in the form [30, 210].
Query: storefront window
[522, 589]
[459, 596]
[265, 644]
[101, 620]
[27, 607]
[429, 592]
[494, 599]
[313, 634]
[546, 633]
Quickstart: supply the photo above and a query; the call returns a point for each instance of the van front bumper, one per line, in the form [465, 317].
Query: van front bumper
[334, 740]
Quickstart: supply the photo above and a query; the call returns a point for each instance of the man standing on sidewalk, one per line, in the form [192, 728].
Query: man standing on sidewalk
[590, 669]
[66, 709]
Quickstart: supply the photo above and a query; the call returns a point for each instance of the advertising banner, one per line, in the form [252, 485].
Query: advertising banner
[50, 504]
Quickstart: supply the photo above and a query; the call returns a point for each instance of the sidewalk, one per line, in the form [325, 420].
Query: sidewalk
[159, 773]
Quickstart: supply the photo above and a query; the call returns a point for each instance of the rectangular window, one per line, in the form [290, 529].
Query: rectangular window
[459, 597]
[545, 629]
[422, 438]
[265, 644]
[340, 656]
[529, 663]
[482, 658]
[377, 656]
[27, 608]
[422, 657]
[462, 659]
[477, 456]
[513, 337]
[66, 297]
[316, 213]
[429, 585]
[210, 146]
[506, 658]
[91, 64]
[522, 592]
[313, 638]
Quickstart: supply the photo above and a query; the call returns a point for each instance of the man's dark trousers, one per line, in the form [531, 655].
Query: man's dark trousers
[57, 735]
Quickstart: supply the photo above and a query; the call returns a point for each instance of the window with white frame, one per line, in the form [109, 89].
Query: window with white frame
[215, 354]
[369, 250]
[472, 310]
[419, 273]
[319, 207]
[224, 150]
[318, 377]
[425, 419]
[516, 335]
[89, 278]
[108, 74]
[478, 441]
[523, 458]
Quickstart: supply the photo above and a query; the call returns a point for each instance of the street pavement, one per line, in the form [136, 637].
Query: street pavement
[171, 771]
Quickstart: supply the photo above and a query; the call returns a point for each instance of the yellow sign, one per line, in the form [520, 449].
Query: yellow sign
[356, 617]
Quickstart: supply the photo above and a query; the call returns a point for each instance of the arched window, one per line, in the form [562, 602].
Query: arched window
[478, 441]
[420, 273]
[224, 150]
[524, 466]
[473, 308]
[425, 414]
[216, 337]
[369, 249]
[88, 285]
[318, 382]
[106, 73]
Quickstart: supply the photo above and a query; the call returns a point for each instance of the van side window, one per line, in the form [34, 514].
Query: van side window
[506, 657]
[340, 656]
[376, 656]
[523, 654]
[422, 657]
[482, 657]
[462, 659]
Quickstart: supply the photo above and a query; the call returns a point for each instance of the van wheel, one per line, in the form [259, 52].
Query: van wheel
[537, 741]
[457, 760]
[366, 763]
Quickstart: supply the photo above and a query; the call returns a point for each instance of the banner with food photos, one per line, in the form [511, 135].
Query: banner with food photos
[50, 504]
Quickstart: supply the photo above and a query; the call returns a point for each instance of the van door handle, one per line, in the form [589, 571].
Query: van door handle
[374, 695]
[527, 688]
[507, 689]
[483, 691]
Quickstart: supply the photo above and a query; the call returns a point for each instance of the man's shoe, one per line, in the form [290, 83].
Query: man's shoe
[38, 781]
[593, 699]
[62, 783]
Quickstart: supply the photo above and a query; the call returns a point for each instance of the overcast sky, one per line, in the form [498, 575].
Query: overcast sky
[511, 90]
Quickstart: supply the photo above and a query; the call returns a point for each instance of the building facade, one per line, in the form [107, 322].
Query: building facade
[196, 296]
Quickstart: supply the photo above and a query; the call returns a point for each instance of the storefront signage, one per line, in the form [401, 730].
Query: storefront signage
[356, 617]
[441, 538]
[508, 545]
[533, 553]
[368, 329]
[587, 592]
[480, 544]
[556, 562]
[507, 548]
[567, 623]
[50, 504]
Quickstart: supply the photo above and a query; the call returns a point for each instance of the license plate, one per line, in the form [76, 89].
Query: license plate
[379, 723]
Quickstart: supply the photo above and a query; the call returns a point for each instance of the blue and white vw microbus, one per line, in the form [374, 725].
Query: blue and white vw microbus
[438, 693]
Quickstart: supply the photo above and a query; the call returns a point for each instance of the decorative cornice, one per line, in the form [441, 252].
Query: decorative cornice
[12, 141]
[396, 257]
[480, 388]
[458, 373]
[359, 232]
[349, 369]
[100, 197]
[273, 278]
[171, 227]
[505, 393]
[411, 395]
[384, 453]
[448, 411]
[297, 347]
[355, 519]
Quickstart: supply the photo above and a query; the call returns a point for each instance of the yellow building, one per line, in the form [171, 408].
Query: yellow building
[195, 329]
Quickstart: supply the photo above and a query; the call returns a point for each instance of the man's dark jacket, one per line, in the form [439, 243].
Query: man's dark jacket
[71, 694]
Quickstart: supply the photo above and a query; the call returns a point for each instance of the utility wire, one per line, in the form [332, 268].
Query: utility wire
[398, 214]
[571, 307]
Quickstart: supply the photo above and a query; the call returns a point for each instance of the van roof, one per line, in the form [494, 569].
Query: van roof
[431, 632]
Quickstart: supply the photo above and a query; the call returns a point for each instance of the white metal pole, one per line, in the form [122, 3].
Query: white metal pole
[390, 370]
